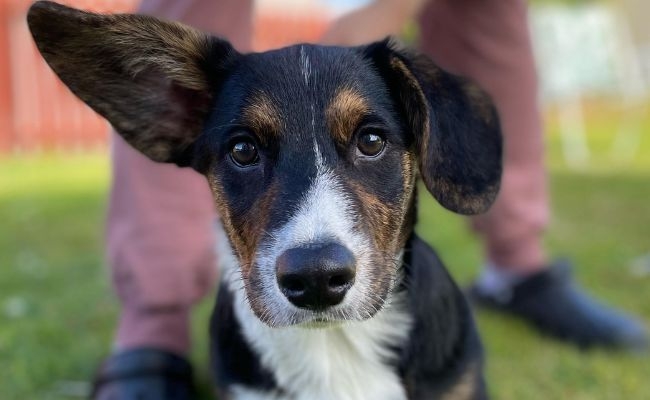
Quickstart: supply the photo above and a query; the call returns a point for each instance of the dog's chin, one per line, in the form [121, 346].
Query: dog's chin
[312, 323]
[319, 323]
[300, 318]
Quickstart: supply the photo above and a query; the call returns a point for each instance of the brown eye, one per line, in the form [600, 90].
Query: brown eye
[370, 144]
[244, 153]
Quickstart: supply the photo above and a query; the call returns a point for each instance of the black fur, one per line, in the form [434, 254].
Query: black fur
[233, 361]
[444, 341]
[455, 126]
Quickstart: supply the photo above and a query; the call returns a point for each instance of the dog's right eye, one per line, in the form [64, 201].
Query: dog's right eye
[244, 153]
[370, 144]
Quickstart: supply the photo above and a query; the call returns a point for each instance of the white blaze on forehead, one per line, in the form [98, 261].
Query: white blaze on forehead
[326, 213]
[319, 157]
[305, 65]
[317, 154]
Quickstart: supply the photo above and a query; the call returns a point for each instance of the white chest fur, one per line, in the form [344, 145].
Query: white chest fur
[348, 362]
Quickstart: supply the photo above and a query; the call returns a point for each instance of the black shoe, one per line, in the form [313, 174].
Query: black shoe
[556, 306]
[144, 374]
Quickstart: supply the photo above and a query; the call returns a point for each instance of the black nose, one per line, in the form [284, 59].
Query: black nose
[316, 277]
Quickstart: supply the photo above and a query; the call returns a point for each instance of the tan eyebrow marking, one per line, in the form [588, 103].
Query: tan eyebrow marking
[261, 115]
[344, 114]
[383, 219]
[246, 231]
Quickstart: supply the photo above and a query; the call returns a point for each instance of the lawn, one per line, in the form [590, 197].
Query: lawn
[57, 310]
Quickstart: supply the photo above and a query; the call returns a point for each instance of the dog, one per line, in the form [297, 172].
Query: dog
[313, 154]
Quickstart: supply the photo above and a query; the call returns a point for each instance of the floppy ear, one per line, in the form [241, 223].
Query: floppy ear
[454, 123]
[152, 80]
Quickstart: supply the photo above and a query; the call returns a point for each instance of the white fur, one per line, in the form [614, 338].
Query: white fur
[317, 154]
[305, 65]
[337, 362]
[240, 392]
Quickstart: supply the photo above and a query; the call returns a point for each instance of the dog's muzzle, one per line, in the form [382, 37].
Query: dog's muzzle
[317, 276]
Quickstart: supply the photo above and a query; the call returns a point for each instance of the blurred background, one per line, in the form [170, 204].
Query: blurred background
[56, 307]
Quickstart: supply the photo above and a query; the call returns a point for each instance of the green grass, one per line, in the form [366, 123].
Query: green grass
[57, 310]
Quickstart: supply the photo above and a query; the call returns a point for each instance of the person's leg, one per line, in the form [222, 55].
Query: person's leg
[160, 248]
[160, 240]
[489, 42]
[160, 221]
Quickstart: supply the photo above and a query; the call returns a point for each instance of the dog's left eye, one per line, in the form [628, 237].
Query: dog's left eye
[244, 153]
[370, 144]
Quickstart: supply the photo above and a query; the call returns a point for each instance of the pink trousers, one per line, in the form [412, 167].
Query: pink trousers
[160, 239]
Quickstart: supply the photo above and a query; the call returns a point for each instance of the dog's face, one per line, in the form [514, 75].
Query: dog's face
[312, 152]
[314, 175]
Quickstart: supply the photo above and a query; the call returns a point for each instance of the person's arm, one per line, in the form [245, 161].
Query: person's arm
[372, 22]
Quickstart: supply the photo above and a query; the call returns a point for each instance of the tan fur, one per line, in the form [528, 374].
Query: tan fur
[179, 50]
[409, 173]
[245, 233]
[479, 102]
[472, 202]
[344, 113]
[139, 42]
[414, 85]
[407, 207]
[383, 219]
[224, 213]
[262, 116]
[252, 226]
[465, 388]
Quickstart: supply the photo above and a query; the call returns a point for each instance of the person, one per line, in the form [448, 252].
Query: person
[489, 42]
[160, 236]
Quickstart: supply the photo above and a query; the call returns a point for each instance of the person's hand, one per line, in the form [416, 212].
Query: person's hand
[373, 22]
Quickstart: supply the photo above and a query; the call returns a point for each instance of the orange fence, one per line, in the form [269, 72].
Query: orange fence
[38, 113]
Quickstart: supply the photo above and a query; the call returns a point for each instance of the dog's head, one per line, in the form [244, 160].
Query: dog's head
[312, 152]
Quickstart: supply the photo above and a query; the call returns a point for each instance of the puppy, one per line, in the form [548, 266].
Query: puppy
[312, 154]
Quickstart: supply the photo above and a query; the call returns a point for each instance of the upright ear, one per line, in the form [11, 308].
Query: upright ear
[152, 80]
[454, 123]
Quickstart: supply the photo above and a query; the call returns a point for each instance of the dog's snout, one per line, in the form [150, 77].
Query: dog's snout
[316, 277]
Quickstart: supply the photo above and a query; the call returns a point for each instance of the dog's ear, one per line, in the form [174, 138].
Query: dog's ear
[454, 123]
[152, 80]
